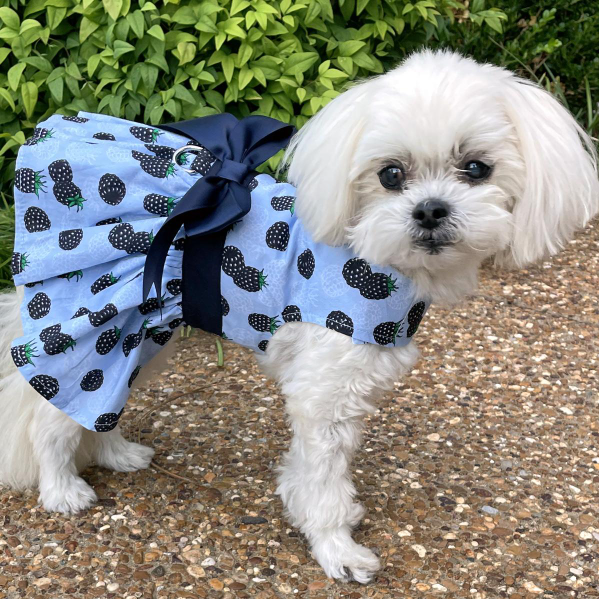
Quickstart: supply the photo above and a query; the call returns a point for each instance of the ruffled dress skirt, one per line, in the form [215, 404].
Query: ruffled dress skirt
[91, 192]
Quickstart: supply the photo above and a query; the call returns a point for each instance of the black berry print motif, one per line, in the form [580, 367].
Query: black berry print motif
[109, 221]
[203, 161]
[151, 305]
[306, 264]
[68, 194]
[47, 386]
[108, 340]
[253, 184]
[121, 236]
[165, 152]
[80, 312]
[251, 279]
[174, 286]
[291, 314]
[173, 324]
[34, 284]
[134, 339]
[103, 282]
[277, 236]
[263, 323]
[69, 240]
[179, 244]
[107, 422]
[414, 317]
[340, 322]
[358, 274]
[40, 135]
[146, 134]
[58, 343]
[50, 331]
[104, 136]
[245, 277]
[39, 305]
[379, 286]
[233, 261]
[159, 204]
[97, 319]
[93, 380]
[22, 354]
[159, 337]
[18, 263]
[36, 220]
[224, 306]
[140, 243]
[29, 181]
[387, 332]
[111, 189]
[157, 167]
[282, 203]
[75, 119]
[133, 376]
[263, 344]
[74, 274]
[60, 171]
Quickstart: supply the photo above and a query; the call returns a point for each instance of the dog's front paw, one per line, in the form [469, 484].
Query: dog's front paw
[68, 496]
[342, 558]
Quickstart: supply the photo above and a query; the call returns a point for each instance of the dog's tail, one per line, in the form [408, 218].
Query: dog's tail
[17, 464]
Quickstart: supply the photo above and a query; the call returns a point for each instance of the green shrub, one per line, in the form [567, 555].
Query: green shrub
[178, 59]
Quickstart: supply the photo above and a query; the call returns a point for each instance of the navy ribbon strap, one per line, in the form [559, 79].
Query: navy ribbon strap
[210, 206]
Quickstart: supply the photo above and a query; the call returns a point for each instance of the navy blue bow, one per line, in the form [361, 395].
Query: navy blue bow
[211, 205]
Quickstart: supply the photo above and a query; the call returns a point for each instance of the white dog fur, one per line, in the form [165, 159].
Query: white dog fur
[433, 114]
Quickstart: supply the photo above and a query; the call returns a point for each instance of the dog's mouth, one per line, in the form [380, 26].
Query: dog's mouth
[433, 243]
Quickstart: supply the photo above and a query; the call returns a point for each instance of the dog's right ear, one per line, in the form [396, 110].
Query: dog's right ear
[320, 159]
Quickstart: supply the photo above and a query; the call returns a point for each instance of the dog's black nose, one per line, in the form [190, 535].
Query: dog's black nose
[430, 213]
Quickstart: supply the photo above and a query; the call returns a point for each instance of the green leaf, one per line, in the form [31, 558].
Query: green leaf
[121, 48]
[245, 77]
[238, 6]
[4, 93]
[228, 65]
[86, 28]
[137, 22]
[156, 32]
[113, 8]
[10, 18]
[14, 75]
[350, 47]
[4, 52]
[56, 88]
[186, 51]
[299, 63]
[29, 97]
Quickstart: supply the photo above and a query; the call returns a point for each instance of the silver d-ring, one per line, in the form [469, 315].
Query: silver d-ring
[189, 148]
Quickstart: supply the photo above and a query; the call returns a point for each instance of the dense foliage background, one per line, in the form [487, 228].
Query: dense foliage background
[177, 59]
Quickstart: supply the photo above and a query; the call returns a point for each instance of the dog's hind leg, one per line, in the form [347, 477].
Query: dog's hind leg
[56, 441]
[111, 450]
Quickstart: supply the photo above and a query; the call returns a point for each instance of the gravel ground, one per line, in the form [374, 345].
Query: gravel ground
[480, 471]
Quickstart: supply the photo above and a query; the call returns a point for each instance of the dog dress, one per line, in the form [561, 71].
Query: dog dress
[95, 197]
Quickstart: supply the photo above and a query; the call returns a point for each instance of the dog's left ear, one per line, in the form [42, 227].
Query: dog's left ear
[560, 190]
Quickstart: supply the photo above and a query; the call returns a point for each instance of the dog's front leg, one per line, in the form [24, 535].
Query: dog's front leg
[316, 487]
[329, 384]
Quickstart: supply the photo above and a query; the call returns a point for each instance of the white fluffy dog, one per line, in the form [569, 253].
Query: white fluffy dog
[430, 168]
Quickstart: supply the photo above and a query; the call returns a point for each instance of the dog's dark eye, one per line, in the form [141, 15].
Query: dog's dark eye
[477, 170]
[392, 177]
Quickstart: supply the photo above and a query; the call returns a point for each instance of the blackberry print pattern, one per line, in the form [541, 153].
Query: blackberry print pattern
[87, 210]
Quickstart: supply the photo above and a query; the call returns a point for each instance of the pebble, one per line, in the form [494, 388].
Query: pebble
[419, 549]
[490, 510]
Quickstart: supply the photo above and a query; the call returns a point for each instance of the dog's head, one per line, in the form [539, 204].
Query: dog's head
[441, 163]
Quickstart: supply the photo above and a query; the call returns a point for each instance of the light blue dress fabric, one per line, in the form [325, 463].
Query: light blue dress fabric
[90, 193]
